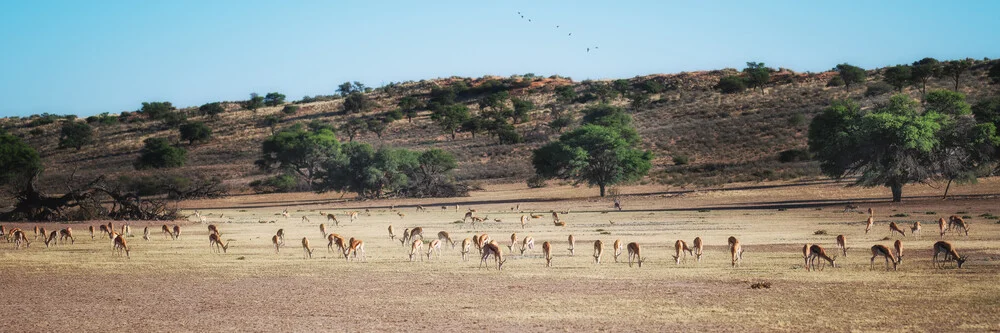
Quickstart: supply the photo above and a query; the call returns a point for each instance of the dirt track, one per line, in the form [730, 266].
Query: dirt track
[181, 285]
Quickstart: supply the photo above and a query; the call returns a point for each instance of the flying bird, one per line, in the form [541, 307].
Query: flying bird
[570, 34]
[557, 27]
[588, 49]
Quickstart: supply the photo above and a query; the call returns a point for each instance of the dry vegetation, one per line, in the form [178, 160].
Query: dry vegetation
[182, 285]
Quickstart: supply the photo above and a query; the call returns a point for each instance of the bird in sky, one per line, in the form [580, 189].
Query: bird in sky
[588, 49]
[570, 34]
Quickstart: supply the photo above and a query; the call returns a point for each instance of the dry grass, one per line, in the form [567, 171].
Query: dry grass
[180, 285]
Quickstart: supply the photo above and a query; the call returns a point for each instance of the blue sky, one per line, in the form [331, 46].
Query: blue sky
[87, 57]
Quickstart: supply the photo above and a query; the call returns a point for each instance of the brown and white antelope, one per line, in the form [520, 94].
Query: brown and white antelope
[417, 231]
[634, 251]
[735, 250]
[871, 221]
[277, 242]
[572, 244]
[120, 245]
[335, 239]
[699, 248]
[898, 247]
[392, 235]
[547, 252]
[40, 231]
[513, 242]
[415, 248]
[482, 241]
[444, 236]
[492, 249]
[818, 252]
[842, 244]
[524, 221]
[406, 236]
[331, 217]
[20, 238]
[680, 247]
[807, 255]
[145, 233]
[91, 228]
[354, 216]
[435, 245]
[177, 231]
[893, 229]
[881, 250]
[915, 229]
[468, 215]
[165, 230]
[65, 234]
[305, 247]
[527, 243]
[355, 245]
[598, 251]
[216, 241]
[942, 226]
[212, 229]
[51, 238]
[466, 248]
[322, 230]
[949, 254]
[958, 222]
[305, 219]
[281, 236]
[617, 248]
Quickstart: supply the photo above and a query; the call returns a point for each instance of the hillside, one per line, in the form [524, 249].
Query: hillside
[726, 137]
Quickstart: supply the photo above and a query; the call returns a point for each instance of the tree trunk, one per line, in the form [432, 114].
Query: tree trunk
[946, 188]
[602, 190]
[897, 192]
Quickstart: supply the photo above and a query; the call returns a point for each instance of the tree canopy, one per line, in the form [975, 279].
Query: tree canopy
[298, 150]
[757, 75]
[851, 74]
[211, 109]
[955, 68]
[594, 154]
[376, 173]
[19, 162]
[731, 84]
[451, 118]
[75, 135]
[158, 153]
[156, 110]
[357, 102]
[274, 99]
[898, 76]
[255, 102]
[925, 69]
[195, 131]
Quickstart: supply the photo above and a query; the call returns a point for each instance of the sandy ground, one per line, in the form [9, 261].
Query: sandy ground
[182, 285]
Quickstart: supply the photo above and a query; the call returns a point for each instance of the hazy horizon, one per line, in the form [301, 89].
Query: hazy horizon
[66, 57]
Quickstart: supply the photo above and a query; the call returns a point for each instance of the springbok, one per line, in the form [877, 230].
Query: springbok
[435, 245]
[547, 252]
[617, 248]
[818, 252]
[842, 244]
[893, 229]
[735, 250]
[492, 249]
[466, 248]
[680, 247]
[915, 229]
[527, 243]
[67, 233]
[598, 251]
[513, 242]
[120, 245]
[445, 237]
[572, 244]
[698, 248]
[216, 243]
[305, 247]
[415, 248]
[392, 235]
[898, 247]
[949, 254]
[634, 251]
[881, 250]
[942, 226]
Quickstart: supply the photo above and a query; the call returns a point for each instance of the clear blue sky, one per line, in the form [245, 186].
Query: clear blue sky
[87, 57]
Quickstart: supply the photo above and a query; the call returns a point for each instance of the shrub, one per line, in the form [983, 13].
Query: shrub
[277, 184]
[211, 109]
[793, 155]
[731, 85]
[290, 109]
[836, 81]
[103, 119]
[536, 181]
[158, 153]
[681, 159]
[196, 131]
[75, 135]
[156, 110]
[878, 88]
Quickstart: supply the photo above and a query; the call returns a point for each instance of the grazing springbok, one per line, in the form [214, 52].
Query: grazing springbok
[306, 248]
[65, 234]
[331, 217]
[527, 243]
[958, 222]
[513, 242]
[91, 228]
[415, 248]
[120, 246]
[492, 249]
[445, 237]
[216, 243]
[842, 244]
[547, 252]
[881, 250]
[915, 229]
[818, 252]
[177, 231]
[435, 245]
[354, 246]
[524, 221]
[466, 248]
[942, 226]
[165, 230]
[680, 247]
[392, 235]
[145, 233]
[893, 229]
[406, 236]
[322, 230]
[735, 250]
[598, 251]
[634, 252]
[949, 254]
[617, 248]
[699, 248]
[572, 244]
[807, 255]
[51, 238]
[335, 239]
[868, 228]
[898, 247]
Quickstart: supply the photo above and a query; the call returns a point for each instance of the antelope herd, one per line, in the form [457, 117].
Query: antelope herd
[814, 255]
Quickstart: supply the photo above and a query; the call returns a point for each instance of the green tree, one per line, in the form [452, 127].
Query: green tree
[368, 172]
[290, 109]
[75, 135]
[297, 150]
[255, 102]
[19, 163]
[898, 76]
[994, 73]
[835, 81]
[271, 121]
[947, 102]
[409, 105]
[955, 68]
[211, 109]
[195, 131]
[612, 117]
[561, 122]
[354, 127]
[451, 117]
[594, 154]
[158, 154]
[345, 89]
[923, 70]
[890, 146]
[757, 75]
[274, 99]
[639, 100]
[621, 86]
[357, 102]
[603, 91]
[988, 111]
[565, 94]
[851, 74]
[156, 110]
[474, 125]
[522, 110]
[731, 85]
[377, 126]
[967, 149]
[507, 134]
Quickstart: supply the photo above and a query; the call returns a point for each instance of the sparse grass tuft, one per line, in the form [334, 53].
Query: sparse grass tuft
[987, 216]
[900, 215]
[605, 232]
[761, 285]
[704, 210]
[930, 213]
[819, 232]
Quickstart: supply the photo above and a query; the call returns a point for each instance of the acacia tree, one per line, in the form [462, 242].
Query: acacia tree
[298, 150]
[451, 118]
[898, 76]
[955, 68]
[196, 131]
[851, 74]
[157, 153]
[925, 69]
[255, 102]
[19, 163]
[994, 73]
[757, 75]
[211, 109]
[76, 135]
[891, 146]
[274, 99]
[409, 106]
[602, 152]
